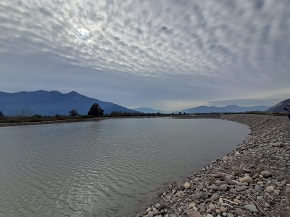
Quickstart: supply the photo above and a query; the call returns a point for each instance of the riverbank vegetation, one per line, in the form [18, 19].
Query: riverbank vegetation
[97, 113]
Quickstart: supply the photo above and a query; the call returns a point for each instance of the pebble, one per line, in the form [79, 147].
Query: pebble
[191, 213]
[239, 212]
[251, 208]
[256, 170]
[150, 214]
[180, 194]
[223, 187]
[266, 174]
[186, 185]
[270, 189]
[246, 179]
[215, 197]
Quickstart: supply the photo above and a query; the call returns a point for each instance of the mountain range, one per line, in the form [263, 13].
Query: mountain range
[149, 110]
[50, 103]
[279, 107]
[225, 109]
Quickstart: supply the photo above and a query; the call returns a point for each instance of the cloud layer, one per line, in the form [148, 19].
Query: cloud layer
[139, 53]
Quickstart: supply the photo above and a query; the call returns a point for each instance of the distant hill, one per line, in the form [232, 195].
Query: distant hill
[148, 110]
[226, 109]
[49, 103]
[279, 107]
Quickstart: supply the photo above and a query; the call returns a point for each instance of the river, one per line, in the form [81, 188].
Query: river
[105, 168]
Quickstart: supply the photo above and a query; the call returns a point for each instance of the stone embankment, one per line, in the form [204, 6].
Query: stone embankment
[252, 180]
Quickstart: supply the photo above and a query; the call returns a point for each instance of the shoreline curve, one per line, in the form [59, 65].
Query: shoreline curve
[251, 180]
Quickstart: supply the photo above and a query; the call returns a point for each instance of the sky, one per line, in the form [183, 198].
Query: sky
[165, 54]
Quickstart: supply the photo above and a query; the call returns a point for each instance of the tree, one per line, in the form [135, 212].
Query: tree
[25, 112]
[73, 113]
[1, 115]
[96, 110]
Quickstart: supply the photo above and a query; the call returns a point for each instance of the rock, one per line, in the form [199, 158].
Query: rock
[239, 212]
[266, 174]
[191, 205]
[191, 213]
[270, 188]
[237, 201]
[223, 187]
[241, 188]
[180, 194]
[215, 197]
[230, 182]
[260, 200]
[181, 187]
[276, 144]
[213, 187]
[162, 206]
[186, 185]
[217, 175]
[156, 212]
[199, 195]
[150, 214]
[246, 179]
[277, 192]
[258, 188]
[233, 191]
[251, 208]
[223, 209]
[211, 207]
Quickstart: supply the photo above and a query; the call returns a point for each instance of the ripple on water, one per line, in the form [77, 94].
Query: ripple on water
[106, 168]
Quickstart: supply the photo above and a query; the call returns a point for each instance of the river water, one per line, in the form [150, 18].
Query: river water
[107, 168]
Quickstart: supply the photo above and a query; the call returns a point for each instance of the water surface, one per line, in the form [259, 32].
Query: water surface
[106, 168]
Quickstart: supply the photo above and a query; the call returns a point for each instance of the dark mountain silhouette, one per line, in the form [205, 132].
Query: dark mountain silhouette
[49, 103]
[226, 109]
[279, 107]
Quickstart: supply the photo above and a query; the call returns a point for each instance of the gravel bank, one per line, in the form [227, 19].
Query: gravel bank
[252, 180]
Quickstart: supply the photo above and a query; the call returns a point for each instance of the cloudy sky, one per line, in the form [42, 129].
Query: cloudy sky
[165, 54]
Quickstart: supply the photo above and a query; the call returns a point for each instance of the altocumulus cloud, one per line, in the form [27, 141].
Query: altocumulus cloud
[160, 53]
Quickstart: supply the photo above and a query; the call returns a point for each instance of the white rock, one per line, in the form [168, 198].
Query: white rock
[186, 185]
[270, 188]
[246, 179]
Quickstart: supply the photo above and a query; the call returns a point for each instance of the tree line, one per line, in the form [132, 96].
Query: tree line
[94, 111]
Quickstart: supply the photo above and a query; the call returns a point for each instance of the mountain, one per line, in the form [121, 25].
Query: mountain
[148, 110]
[49, 103]
[226, 109]
[279, 107]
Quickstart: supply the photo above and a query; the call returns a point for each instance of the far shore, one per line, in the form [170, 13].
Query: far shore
[22, 121]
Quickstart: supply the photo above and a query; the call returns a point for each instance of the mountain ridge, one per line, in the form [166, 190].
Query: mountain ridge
[224, 109]
[50, 103]
[279, 107]
[148, 110]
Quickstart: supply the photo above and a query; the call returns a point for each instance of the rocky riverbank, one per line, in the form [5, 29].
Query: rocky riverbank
[252, 180]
